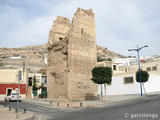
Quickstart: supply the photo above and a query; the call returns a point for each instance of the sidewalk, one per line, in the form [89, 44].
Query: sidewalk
[89, 103]
[86, 103]
[5, 114]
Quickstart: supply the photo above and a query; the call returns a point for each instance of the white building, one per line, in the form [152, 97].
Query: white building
[124, 79]
[125, 61]
[16, 57]
[126, 84]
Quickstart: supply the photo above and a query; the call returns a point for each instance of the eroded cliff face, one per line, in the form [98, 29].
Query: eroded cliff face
[71, 57]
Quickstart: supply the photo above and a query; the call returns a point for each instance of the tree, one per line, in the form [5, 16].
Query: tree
[100, 59]
[144, 77]
[34, 84]
[102, 75]
[109, 59]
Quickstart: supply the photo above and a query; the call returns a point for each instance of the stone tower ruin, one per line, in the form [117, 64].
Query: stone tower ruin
[71, 57]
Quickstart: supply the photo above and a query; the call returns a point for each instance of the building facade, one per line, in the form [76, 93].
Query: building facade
[124, 78]
[39, 81]
[9, 82]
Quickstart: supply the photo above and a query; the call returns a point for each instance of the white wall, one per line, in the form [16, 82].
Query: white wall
[119, 88]
[153, 83]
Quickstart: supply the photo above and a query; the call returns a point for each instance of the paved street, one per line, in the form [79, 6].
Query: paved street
[145, 108]
[121, 111]
[33, 107]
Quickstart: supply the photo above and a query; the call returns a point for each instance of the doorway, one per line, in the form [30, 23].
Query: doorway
[9, 91]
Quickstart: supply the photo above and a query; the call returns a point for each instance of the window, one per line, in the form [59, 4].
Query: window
[114, 67]
[37, 79]
[148, 68]
[60, 38]
[126, 70]
[17, 90]
[44, 81]
[154, 68]
[14, 93]
[128, 80]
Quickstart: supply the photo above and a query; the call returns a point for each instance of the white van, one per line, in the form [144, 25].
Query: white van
[12, 97]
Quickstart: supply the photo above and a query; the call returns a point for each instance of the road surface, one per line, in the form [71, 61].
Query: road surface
[145, 108]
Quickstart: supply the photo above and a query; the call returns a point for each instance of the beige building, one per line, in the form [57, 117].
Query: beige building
[9, 81]
[71, 57]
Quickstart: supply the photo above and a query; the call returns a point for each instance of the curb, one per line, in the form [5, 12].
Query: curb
[93, 104]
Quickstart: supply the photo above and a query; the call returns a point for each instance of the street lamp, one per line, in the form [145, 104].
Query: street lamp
[138, 49]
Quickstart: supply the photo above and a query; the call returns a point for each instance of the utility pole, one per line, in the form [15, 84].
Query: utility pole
[19, 78]
[137, 50]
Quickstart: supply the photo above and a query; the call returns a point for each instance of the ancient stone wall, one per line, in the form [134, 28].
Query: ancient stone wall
[59, 29]
[81, 55]
[57, 67]
[71, 57]
[57, 59]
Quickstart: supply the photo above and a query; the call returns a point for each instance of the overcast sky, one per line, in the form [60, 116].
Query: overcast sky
[120, 24]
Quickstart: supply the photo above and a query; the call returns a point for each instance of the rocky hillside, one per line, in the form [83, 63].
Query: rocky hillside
[105, 53]
[28, 52]
[34, 57]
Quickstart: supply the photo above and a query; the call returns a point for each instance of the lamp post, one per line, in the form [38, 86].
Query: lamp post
[137, 50]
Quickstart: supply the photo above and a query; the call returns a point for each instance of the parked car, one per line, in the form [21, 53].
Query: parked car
[12, 97]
